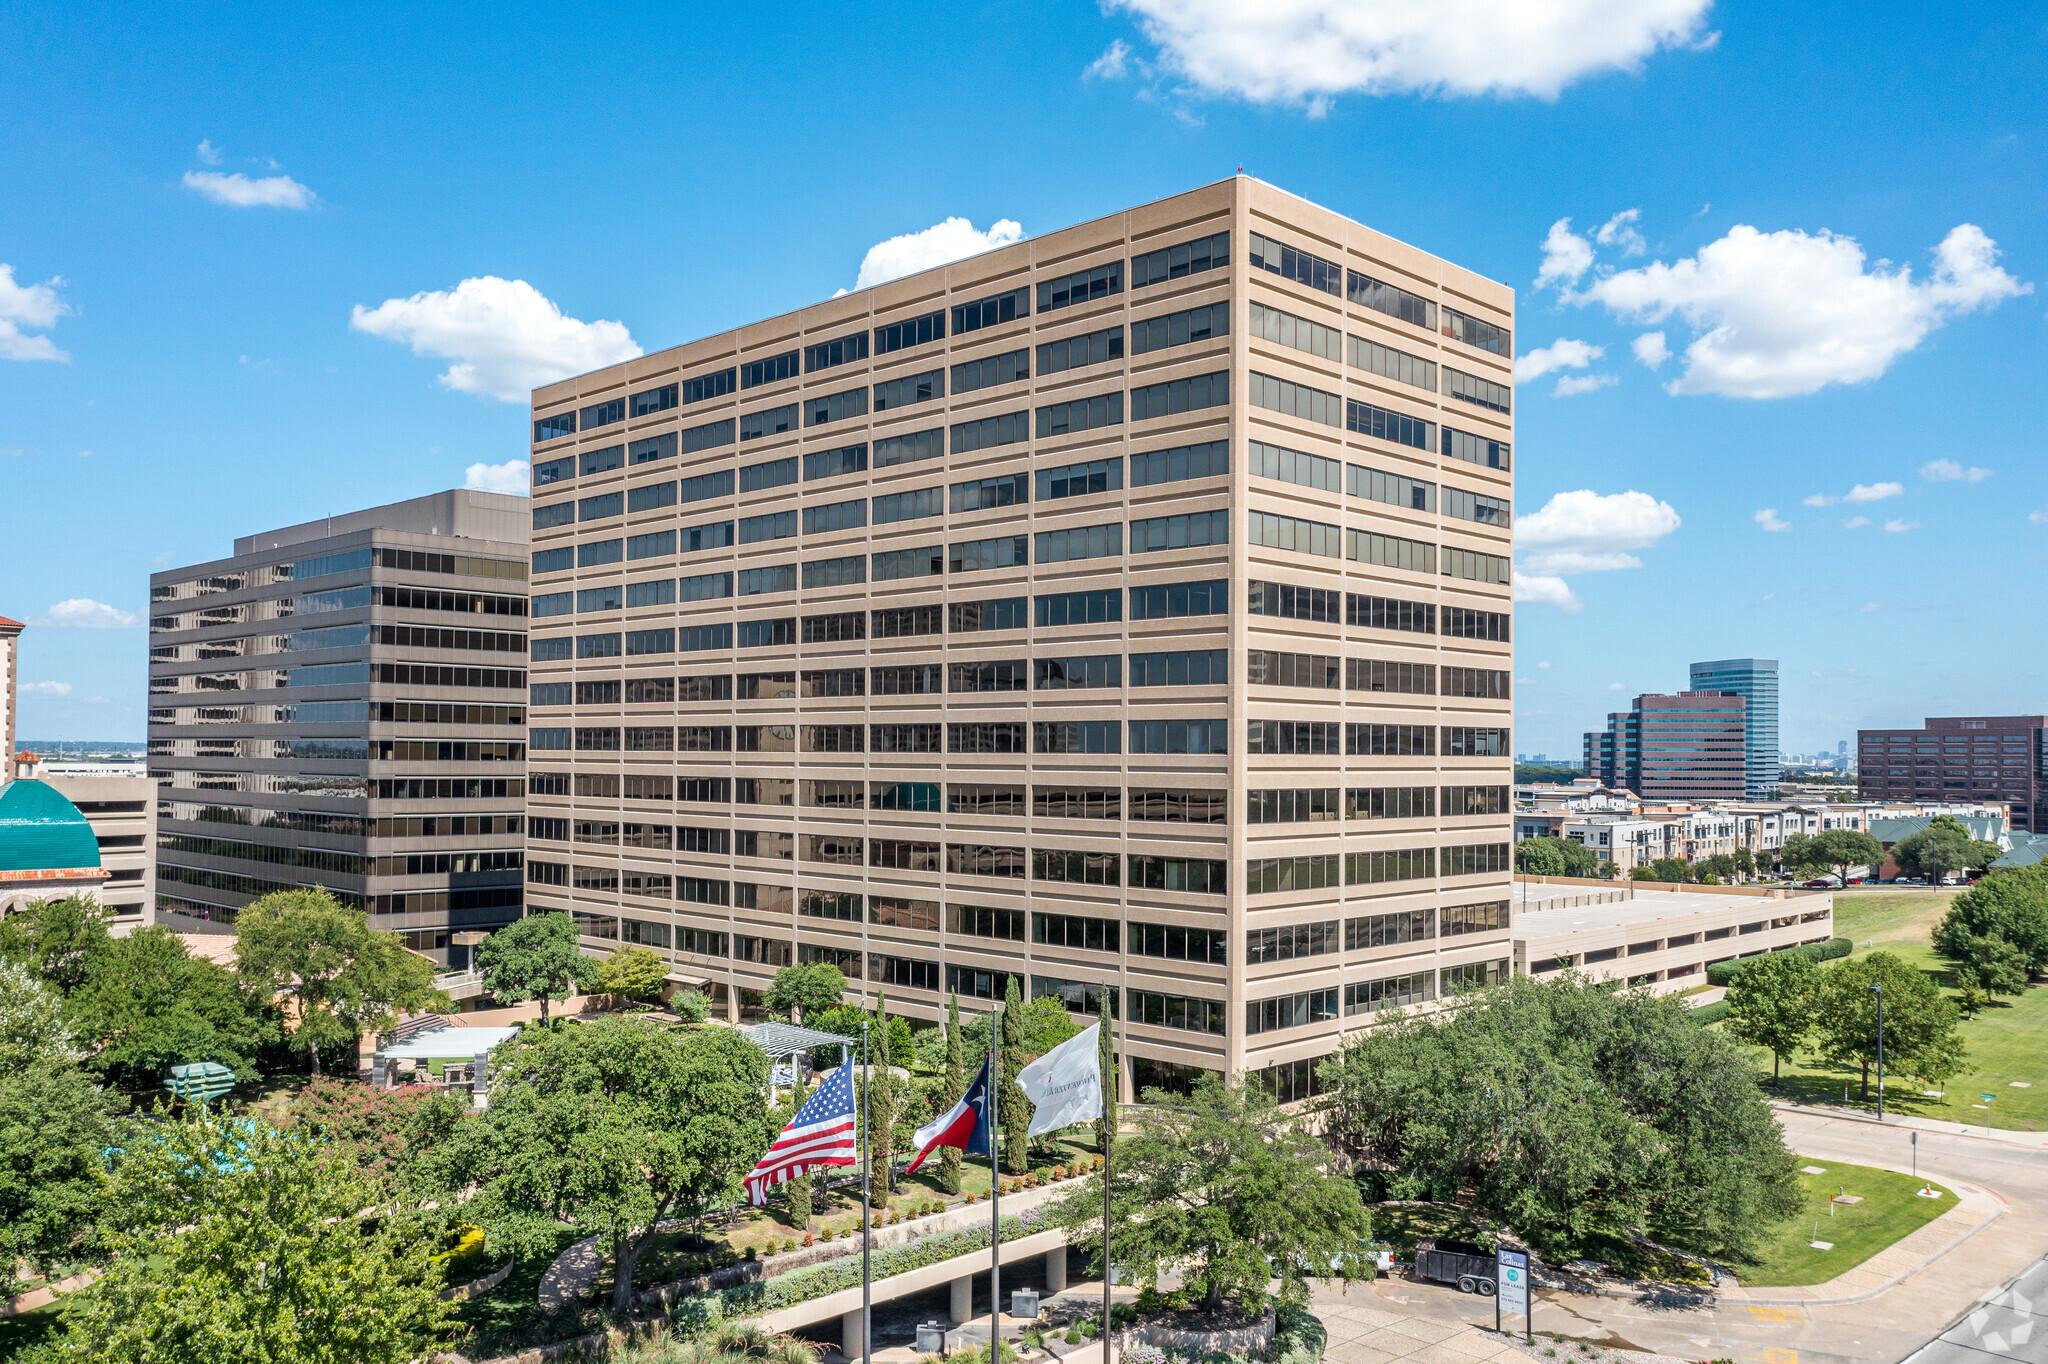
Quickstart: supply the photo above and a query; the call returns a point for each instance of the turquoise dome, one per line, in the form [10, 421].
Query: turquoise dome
[40, 830]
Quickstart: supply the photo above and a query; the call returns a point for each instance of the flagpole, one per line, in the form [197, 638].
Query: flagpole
[1108, 1133]
[867, 1180]
[995, 1220]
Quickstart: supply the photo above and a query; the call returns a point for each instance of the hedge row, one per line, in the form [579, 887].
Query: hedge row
[1710, 1013]
[1725, 972]
[815, 1281]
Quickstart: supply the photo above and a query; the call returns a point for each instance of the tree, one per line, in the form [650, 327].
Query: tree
[1945, 845]
[1745, 862]
[689, 1006]
[633, 971]
[236, 1243]
[57, 939]
[1985, 966]
[956, 1085]
[149, 1004]
[385, 1133]
[608, 1127]
[536, 957]
[1047, 1023]
[1667, 870]
[32, 1025]
[1110, 1075]
[1795, 856]
[1920, 1036]
[1566, 1108]
[54, 1125]
[805, 988]
[1218, 1185]
[799, 1194]
[1013, 1109]
[881, 1100]
[1770, 1004]
[1554, 857]
[2009, 905]
[342, 976]
[1842, 849]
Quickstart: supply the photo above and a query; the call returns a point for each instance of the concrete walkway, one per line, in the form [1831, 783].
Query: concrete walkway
[1372, 1335]
[2012, 1137]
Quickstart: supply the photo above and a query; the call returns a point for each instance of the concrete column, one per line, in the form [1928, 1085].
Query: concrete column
[1055, 1270]
[962, 1306]
[849, 1334]
[732, 1003]
[480, 1080]
[380, 1071]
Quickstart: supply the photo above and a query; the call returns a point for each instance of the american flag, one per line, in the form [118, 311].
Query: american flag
[821, 1133]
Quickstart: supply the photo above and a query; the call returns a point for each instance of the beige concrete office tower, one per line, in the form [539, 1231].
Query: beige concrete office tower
[1125, 607]
[342, 704]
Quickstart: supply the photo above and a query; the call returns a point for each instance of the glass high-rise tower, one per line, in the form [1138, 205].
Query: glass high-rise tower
[1755, 680]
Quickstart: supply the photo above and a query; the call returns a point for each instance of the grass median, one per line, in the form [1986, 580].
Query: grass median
[1889, 1208]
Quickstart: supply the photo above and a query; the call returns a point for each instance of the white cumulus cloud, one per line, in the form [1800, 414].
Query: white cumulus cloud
[1779, 314]
[1870, 606]
[1856, 523]
[1566, 256]
[505, 336]
[1308, 51]
[1651, 349]
[2037, 518]
[1873, 492]
[1620, 230]
[1584, 532]
[1112, 64]
[1948, 471]
[940, 244]
[29, 305]
[83, 613]
[513, 476]
[1898, 527]
[1769, 519]
[46, 689]
[207, 152]
[1563, 353]
[237, 190]
[1570, 385]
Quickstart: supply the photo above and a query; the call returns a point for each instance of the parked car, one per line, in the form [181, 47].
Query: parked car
[1470, 1268]
[1818, 883]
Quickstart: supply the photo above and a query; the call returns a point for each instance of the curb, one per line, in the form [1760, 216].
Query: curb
[2022, 1139]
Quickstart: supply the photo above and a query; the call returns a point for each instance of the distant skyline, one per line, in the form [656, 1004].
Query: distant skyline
[1779, 277]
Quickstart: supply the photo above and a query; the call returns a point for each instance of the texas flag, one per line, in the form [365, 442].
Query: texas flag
[965, 1125]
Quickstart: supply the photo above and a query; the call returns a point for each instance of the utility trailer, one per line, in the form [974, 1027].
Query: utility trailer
[1469, 1268]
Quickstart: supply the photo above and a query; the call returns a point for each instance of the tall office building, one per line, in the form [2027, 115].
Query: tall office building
[343, 704]
[1957, 758]
[1688, 746]
[10, 678]
[1755, 680]
[1125, 607]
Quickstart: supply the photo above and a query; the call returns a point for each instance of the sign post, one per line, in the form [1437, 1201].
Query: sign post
[1512, 1285]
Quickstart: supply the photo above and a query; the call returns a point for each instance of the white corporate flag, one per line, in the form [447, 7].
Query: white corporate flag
[1065, 1084]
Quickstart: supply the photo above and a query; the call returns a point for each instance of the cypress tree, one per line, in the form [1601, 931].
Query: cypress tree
[1015, 1112]
[1107, 1054]
[956, 1085]
[881, 1106]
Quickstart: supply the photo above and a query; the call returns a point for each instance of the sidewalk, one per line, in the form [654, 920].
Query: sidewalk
[2035, 1140]
[1369, 1335]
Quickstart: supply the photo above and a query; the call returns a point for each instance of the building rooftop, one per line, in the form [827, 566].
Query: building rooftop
[40, 830]
[1555, 915]
[1891, 829]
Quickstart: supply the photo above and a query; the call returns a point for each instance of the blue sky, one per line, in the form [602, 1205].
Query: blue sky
[182, 365]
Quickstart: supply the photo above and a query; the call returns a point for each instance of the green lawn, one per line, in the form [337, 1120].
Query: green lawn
[30, 1328]
[1891, 1208]
[2008, 1041]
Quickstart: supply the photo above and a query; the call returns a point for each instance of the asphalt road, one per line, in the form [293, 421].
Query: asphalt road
[2007, 1325]
[1951, 1298]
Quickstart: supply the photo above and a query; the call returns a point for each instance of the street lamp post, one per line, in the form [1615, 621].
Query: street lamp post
[1878, 990]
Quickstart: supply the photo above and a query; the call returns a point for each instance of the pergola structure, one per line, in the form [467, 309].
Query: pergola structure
[787, 1041]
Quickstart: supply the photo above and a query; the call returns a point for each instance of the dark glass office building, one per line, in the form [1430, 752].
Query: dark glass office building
[343, 704]
[1689, 746]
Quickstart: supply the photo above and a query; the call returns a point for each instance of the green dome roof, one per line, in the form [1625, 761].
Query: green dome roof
[40, 830]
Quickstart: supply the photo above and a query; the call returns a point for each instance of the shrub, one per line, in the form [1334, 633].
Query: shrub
[1059, 1172]
[752, 1254]
[1725, 972]
[1710, 1013]
[810, 1240]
